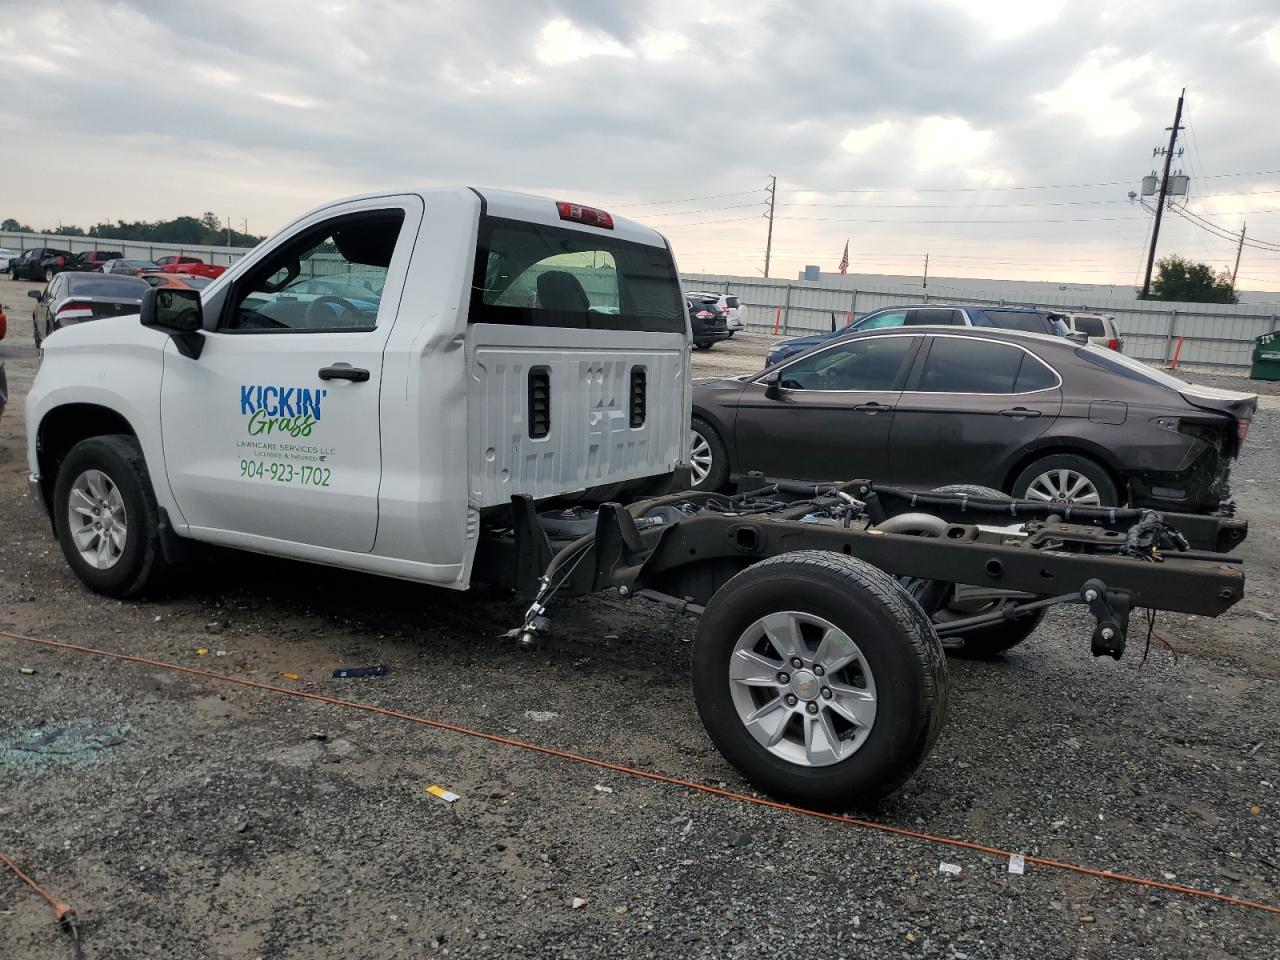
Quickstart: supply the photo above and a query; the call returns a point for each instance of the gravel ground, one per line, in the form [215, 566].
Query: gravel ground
[189, 819]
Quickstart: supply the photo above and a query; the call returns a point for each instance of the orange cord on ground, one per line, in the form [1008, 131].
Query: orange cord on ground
[63, 913]
[657, 777]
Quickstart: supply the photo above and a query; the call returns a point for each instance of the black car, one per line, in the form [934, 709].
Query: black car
[709, 323]
[90, 261]
[30, 266]
[1034, 416]
[77, 297]
[1028, 319]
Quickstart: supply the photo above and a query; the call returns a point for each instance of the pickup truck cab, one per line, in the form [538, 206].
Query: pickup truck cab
[364, 387]
[191, 266]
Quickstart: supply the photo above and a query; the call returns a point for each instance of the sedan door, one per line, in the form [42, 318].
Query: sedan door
[970, 407]
[830, 414]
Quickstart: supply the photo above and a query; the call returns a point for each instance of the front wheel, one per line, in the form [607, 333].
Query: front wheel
[49, 274]
[1067, 478]
[106, 517]
[819, 679]
[708, 456]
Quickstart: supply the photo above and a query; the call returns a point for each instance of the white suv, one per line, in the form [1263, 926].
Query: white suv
[1100, 328]
[729, 303]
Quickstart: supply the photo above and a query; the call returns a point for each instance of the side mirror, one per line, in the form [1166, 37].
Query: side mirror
[35, 294]
[771, 385]
[178, 313]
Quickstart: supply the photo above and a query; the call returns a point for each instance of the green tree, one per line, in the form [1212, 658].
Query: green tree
[11, 225]
[210, 221]
[1181, 279]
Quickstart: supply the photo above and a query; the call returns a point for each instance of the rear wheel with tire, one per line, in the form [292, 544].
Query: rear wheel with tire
[104, 510]
[49, 274]
[704, 345]
[1067, 478]
[819, 679]
[942, 603]
[708, 456]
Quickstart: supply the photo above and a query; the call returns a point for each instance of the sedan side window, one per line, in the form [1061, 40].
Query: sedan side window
[872, 364]
[961, 365]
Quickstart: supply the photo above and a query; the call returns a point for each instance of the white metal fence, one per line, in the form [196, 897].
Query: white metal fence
[1212, 334]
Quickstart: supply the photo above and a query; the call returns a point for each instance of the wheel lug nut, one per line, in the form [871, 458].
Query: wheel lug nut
[826, 693]
[812, 708]
[797, 662]
[818, 671]
[784, 678]
[791, 699]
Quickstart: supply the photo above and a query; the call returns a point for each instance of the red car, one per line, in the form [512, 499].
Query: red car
[192, 266]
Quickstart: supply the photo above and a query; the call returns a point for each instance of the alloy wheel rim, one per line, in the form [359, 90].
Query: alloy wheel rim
[802, 688]
[98, 520]
[1064, 486]
[699, 456]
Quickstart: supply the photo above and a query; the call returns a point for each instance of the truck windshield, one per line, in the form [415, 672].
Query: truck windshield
[534, 275]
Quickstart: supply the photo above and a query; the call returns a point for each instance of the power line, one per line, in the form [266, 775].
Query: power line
[713, 196]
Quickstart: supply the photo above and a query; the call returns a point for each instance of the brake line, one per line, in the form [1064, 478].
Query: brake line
[655, 777]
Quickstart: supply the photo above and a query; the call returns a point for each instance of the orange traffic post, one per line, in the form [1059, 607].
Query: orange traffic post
[1177, 350]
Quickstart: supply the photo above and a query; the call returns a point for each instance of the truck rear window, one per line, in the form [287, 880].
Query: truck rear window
[529, 274]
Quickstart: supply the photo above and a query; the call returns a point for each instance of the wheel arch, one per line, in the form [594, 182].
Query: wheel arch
[62, 427]
[1074, 447]
[716, 420]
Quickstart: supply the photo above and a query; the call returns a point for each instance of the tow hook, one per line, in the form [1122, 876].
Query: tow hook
[1111, 611]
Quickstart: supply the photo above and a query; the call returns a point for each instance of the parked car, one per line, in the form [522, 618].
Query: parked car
[1029, 319]
[707, 321]
[130, 268]
[90, 261]
[76, 297]
[6, 255]
[30, 264]
[189, 265]
[176, 280]
[4, 323]
[1022, 413]
[1100, 328]
[735, 312]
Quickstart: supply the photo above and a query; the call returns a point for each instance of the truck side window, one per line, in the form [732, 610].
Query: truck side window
[328, 278]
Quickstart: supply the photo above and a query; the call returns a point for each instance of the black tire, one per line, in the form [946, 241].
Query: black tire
[49, 274]
[13, 273]
[896, 641]
[988, 642]
[718, 474]
[1086, 467]
[140, 563]
[985, 642]
[704, 345]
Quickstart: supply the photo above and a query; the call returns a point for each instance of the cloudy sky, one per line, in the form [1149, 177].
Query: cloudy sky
[1000, 137]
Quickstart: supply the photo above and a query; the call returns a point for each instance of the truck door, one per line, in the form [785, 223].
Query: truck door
[273, 431]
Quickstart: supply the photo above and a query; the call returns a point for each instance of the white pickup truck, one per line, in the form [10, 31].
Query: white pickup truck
[455, 384]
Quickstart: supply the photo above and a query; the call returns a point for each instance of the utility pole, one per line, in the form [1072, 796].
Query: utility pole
[768, 245]
[1236, 268]
[925, 284]
[1164, 188]
[228, 231]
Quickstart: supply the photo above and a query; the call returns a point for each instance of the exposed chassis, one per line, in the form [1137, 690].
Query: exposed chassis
[697, 551]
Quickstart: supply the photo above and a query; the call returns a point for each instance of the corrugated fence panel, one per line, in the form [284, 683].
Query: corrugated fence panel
[132, 249]
[1214, 334]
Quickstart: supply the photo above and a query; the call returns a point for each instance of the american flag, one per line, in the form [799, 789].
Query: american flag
[844, 260]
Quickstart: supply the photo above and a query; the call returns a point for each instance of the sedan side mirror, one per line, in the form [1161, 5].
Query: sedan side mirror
[35, 294]
[178, 313]
[771, 385]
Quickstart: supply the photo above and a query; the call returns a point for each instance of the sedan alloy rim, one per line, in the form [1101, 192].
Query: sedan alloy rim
[802, 688]
[699, 456]
[97, 519]
[1064, 486]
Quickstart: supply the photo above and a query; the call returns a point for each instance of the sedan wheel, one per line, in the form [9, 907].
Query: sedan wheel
[1064, 486]
[699, 457]
[97, 519]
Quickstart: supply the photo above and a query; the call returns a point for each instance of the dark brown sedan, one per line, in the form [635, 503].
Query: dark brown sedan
[1035, 416]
